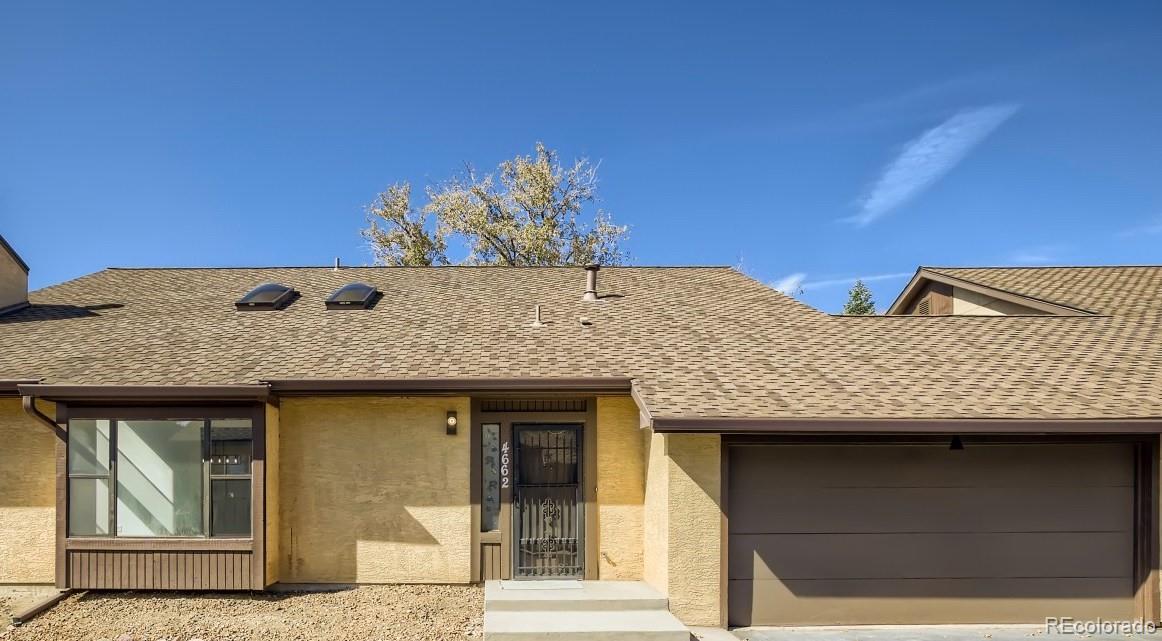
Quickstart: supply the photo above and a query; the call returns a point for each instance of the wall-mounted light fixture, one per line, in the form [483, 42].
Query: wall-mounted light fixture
[451, 423]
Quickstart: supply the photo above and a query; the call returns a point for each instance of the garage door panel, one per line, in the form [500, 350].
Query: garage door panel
[912, 556]
[774, 509]
[933, 601]
[866, 534]
[1069, 465]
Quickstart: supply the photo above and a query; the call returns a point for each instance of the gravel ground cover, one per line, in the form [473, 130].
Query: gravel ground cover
[369, 613]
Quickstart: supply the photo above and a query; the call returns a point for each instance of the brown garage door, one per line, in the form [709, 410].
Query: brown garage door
[850, 534]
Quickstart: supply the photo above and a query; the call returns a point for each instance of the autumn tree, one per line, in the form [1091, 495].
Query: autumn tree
[859, 301]
[533, 211]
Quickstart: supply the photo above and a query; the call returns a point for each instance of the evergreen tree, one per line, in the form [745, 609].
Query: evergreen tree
[859, 301]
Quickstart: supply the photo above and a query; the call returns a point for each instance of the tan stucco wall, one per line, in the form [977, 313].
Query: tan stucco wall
[656, 512]
[695, 528]
[684, 524]
[970, 303]
[27, 496]
[13, 281]
[272, 494]
[373, 491]
[620, 488]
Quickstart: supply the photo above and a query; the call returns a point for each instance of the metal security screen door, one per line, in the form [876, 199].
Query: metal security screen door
[547, 512]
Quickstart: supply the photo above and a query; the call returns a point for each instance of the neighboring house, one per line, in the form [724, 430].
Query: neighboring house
[754, 459]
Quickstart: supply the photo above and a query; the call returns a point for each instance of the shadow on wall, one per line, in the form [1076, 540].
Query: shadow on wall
[699, 457]
[694, 503]
[373, 491]
[27, 458]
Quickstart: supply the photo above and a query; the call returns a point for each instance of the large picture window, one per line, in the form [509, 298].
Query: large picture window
[159, 478]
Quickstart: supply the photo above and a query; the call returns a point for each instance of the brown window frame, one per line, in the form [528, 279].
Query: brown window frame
[205, 414]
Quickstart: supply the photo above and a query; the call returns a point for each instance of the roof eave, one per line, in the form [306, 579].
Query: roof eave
[311, 387]
[906, 294]
[11, 387]
[335, 387]
[12, 252]
[781, 425]
[925, 274]
[146, 393]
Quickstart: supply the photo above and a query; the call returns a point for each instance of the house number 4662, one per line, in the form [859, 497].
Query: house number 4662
[504, 464]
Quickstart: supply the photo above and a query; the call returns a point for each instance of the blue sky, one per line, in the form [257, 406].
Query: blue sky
[809, 143]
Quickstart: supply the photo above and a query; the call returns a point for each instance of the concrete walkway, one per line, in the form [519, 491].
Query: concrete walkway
[925, 633]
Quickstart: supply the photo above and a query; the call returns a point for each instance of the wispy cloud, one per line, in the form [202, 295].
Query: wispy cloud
[1149, 229]
[832, 282]
[926, 159]
[926, 101]
[1040, 255]
[790, 284]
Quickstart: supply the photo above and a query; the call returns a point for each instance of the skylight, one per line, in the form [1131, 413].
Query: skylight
[266, 296]
[353, 296]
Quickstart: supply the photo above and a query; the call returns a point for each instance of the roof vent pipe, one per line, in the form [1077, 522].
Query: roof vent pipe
[591, 282]
[337, 265]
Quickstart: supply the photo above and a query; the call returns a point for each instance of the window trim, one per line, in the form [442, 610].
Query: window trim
[209, 477]
[484, 474]
[205, 414]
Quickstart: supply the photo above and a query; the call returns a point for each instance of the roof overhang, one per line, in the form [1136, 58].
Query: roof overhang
[312, 387]
[14, 307]
[727, 425]
[11, 387]
[923, 275]
[146, 393]
[448, 386]
[5, 247]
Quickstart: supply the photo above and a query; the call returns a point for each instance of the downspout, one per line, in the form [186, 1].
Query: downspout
[32, 410]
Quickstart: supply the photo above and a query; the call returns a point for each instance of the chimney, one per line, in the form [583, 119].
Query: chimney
[13, 279]
[591, 282]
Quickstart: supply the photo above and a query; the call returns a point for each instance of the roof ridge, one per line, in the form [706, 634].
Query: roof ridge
[344, 267]
[976, 316]
[1158, 266]
[1006, 289]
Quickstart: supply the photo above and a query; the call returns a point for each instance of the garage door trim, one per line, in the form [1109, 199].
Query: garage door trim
[1146, 493]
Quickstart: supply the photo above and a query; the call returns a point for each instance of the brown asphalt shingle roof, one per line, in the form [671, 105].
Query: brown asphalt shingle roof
[699, 341]
[1104, 290]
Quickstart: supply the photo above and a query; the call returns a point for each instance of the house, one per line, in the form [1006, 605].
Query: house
[987, 452]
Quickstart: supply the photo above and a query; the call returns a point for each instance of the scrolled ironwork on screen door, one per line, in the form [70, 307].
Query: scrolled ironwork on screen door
[547, 510]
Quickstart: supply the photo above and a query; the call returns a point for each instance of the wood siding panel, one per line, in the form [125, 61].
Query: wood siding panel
[145, 570]
[491, 565]
[940, 299]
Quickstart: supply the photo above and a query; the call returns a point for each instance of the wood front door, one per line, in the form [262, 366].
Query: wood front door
[547, 512]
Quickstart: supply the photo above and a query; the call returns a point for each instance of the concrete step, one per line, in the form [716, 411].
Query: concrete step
[571, 596]
[581, 625]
